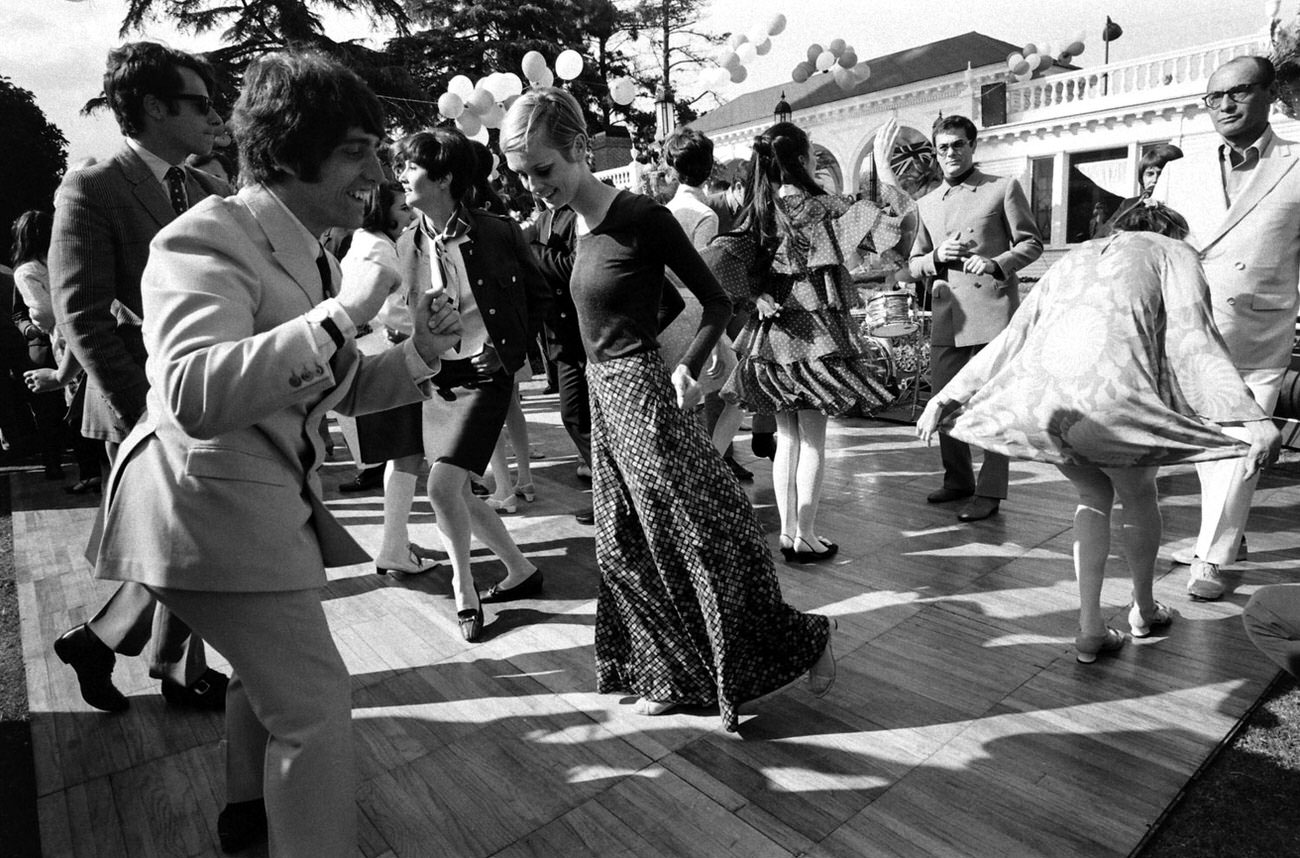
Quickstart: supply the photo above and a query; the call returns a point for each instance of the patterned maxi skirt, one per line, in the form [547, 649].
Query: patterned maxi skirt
[690, 609]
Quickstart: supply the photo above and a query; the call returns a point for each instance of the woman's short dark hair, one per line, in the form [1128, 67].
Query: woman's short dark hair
[31, 236]
[1153, 217]
[441, 152]
[377, 205]
[954, 123]
[1158, 156]
[137, 69]
[690, 153]
[294, 109]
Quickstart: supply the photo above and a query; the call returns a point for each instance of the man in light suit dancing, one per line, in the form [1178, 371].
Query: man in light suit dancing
[1242, 202]
[105, 215]
[215, 501]
[974, 233]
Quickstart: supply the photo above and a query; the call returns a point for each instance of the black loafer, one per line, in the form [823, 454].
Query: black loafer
[979, 509]
[241, 825]
[527, 589]
[93, 661]
[208, 692]
[471, 624]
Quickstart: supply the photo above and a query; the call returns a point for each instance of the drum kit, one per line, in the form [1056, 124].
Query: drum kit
[898, 333]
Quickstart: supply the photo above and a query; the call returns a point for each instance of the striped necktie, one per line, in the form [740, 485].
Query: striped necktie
[175, 177]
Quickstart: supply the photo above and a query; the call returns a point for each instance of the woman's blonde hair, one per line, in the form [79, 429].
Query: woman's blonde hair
[548, 111]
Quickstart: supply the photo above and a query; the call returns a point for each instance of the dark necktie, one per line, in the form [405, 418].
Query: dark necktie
[175, 177]
[326, 276]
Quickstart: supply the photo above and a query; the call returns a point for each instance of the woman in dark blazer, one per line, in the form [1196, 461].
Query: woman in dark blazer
[483, 262]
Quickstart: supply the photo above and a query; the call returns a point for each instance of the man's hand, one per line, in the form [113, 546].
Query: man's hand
[951, 250]
[486, 362]
[767, 306]
[689, 392]
[886, 137]
[976, 264]
[1265, 445]
[362, 297]
[437, 326]
[42, 380]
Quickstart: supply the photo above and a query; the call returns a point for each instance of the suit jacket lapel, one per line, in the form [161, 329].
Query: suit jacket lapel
[145, 186]
[1267, 173]
[284, 235]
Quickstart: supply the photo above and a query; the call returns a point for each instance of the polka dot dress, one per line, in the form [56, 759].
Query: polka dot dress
[690, 608]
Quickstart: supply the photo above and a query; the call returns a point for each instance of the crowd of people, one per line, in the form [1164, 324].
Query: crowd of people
[206, 334]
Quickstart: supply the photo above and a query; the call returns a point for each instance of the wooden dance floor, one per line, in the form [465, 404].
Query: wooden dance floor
[960, 724]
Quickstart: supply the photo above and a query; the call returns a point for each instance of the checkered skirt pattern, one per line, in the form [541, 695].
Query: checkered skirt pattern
[690, 608]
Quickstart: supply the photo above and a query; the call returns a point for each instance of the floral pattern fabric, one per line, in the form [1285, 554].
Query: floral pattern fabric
[1113, 360]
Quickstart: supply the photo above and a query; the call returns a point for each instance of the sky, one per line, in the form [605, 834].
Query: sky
[56, 48]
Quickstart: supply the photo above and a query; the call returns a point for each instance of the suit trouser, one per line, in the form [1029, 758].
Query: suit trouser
[1225, 496]
[958, 472]
[288, 714]
[1272, 620]
[131, 618]
[575, 404]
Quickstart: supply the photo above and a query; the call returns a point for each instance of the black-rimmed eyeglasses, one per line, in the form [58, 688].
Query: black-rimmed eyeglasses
[202, 102]
[1237, 95]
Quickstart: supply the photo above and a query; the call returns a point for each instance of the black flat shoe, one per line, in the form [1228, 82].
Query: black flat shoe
[93, 661]
[527, 589]
[810, 556]
[207, 693]
[84, 487]
[471, 623]
[364, 481]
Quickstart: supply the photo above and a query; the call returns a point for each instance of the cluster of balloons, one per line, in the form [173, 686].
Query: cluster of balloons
[1032, 59]
[740, 51]
[837, 58]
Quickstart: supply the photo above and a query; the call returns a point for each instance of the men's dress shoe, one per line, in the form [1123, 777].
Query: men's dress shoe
[93, 661]
[1188, 555]
[471, 623]
[208, 692]
[526, 589]
[1205, 583]
[241, 824]
[978, 509]
[365, 480]
[586, 516]
[739, 471]
[946, 495]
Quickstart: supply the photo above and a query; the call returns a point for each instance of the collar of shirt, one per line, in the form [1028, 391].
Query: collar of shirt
[309, 243]
[156, 165]
[1250, 154]
[962, 182]
[456, 230]
[686, 191]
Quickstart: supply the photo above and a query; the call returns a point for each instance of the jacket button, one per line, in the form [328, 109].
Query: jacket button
[480, 282]
[295, 381]
[492, 311]
[1232, 301]
[320, 370]
[564, 315]
[1240, 266]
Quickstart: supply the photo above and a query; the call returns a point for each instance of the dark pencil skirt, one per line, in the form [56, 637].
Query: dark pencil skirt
[463, 431]
[391, 434]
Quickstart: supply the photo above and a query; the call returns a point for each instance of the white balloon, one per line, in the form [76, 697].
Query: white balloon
[622, 90]
[480, 101]
[462, 86]
[844, 78]
[469, 124]
[495, 83]
[1021, 78]
[762, 48]
[1014, 59]
[776, 25]
[533, 65]
[450, 105]
[862, 71]
[746, 53]
[1034, 61]
[737, 39]
[513, 85]
[481, 135]
[547, 78]
[568, 64]
[825, 60]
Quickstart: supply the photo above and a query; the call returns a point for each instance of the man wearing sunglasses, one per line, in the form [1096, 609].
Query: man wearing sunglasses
[105, 216]
[1241, 198]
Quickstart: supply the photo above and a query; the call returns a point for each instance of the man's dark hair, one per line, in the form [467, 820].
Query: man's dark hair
[952, 124]
[1152, 217]
[441, 152]
[294, 109]
[690, 153]
[717, 186]
[137, 69]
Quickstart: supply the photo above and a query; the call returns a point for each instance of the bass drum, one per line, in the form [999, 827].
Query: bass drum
[1288, 400]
